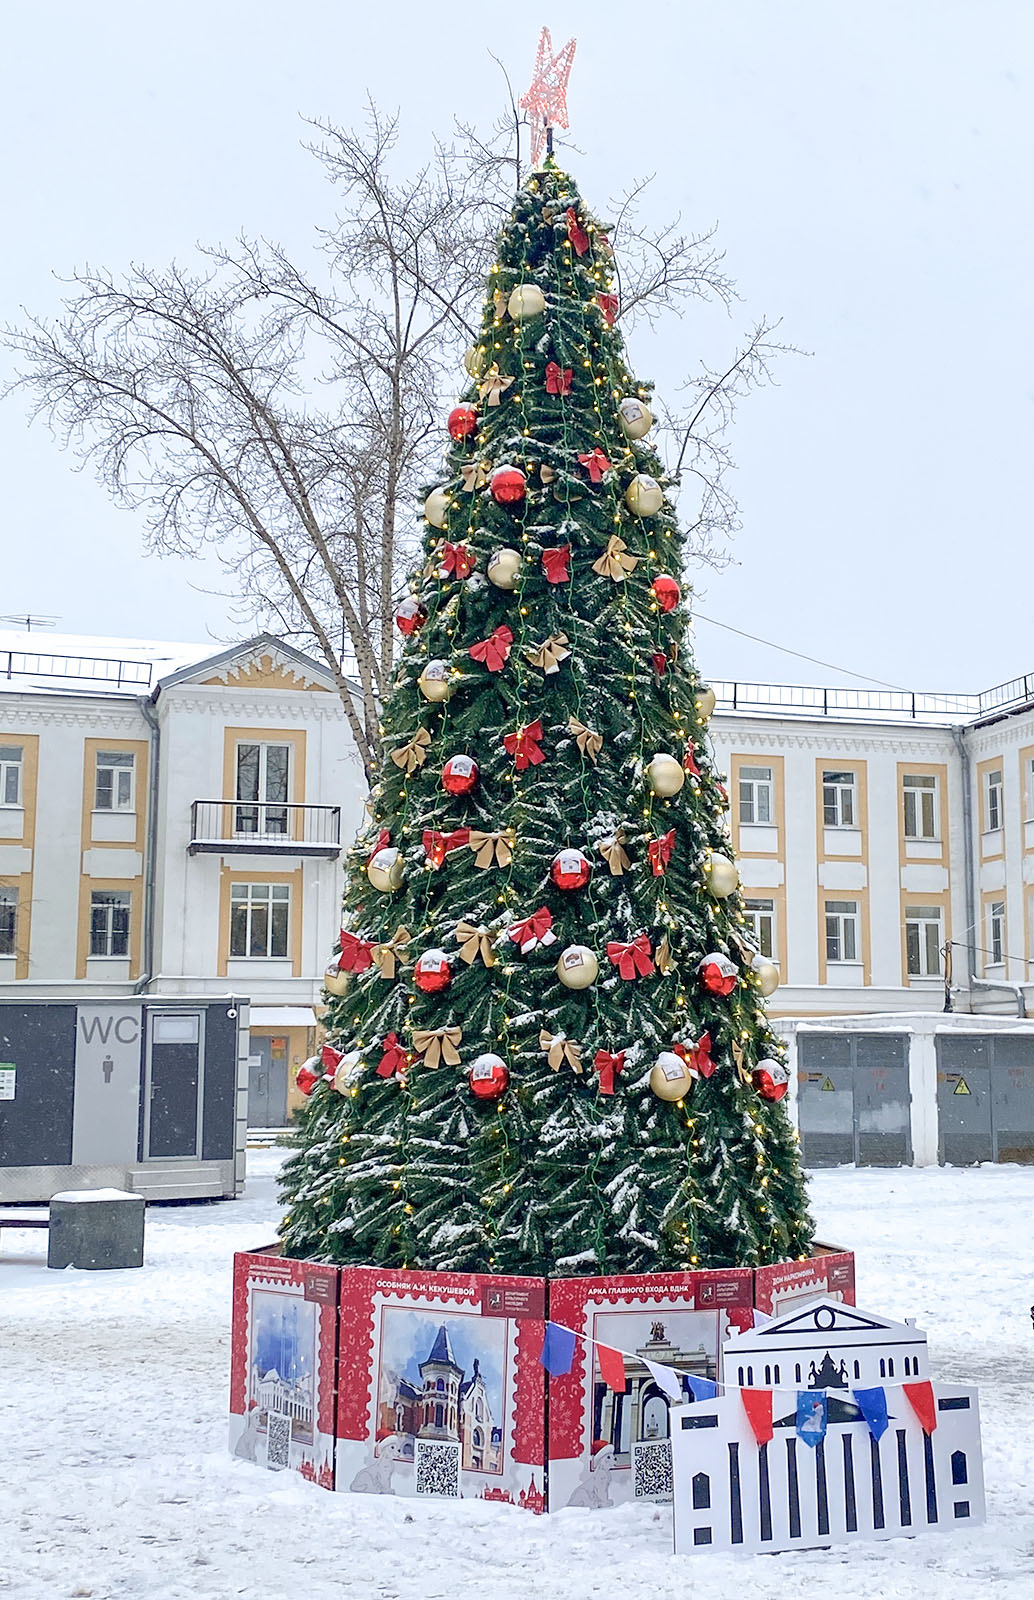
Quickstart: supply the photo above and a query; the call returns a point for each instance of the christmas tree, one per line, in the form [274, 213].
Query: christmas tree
[548, 1049]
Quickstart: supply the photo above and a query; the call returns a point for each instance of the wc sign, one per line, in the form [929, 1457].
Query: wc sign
[107, 1083]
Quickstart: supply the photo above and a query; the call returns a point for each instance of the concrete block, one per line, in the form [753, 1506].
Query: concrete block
[99, 1230]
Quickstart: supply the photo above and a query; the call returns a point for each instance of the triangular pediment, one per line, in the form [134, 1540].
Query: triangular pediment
[256, 664]
[821, 1320]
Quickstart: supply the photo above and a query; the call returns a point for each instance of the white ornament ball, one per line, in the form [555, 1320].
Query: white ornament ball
[344, 1070]
[527, 300]
[474, 360]
[722, 877]
[504, 568]
[434, 682]
[577, 967]
[436, 508]
[671, 1078]
[644, 495]
[635, 418]
[385, 869]
[705, 701]
[665, 775]
[767, 974]
[335, 981]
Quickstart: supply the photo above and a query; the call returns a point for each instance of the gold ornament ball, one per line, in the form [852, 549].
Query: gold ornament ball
[474, 360]
[504, 568]
[644, 495]
[335, 981]
[670, 1078]
[385, 870]
[436, 508]
[704, 701]
[636, 419]
[527, 300]
[665, 775]
[767, 974]
[722, 876]
[433, 682]
[577, 967]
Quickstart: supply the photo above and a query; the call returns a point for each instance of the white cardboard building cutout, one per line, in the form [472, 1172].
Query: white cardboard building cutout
[731, 1494]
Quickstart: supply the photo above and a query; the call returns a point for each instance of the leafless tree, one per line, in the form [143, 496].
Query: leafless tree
[286, 418]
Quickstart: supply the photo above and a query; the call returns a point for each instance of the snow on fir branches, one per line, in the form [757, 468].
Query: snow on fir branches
[548, 830]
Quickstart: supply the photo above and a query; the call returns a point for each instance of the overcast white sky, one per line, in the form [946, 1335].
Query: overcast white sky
[869, 167]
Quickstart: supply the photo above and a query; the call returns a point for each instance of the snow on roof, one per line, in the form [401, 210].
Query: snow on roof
[55, 663]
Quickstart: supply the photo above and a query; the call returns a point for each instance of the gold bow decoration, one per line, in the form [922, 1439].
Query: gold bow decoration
[493, 385]
[739, 1055]
[500, 301]
[414, 754]
[475, 942]
[492, 849]
[614, 563]
[589, 742]
[549, 654]
[559, 1049]
[663, 958]
[546, 473]
[747, 949]
[437, 1045]
[614, 853]
[386, 957]
[475, 475]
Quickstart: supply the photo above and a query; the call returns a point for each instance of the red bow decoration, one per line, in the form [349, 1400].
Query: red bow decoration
[437, 845]
[494, 650]
[555, 563]
[533, 931]
[696, 1056]
[455, 558]
[558, 379]
[659, 852]
[608, 1067]
[632, 960]
[524, 745]
[383, 840]
[596, 464]
[394, 1058]
[331, 1060]
[356, 954]
[689, 760]
[576, 233]
[608, 304]
[660, 663]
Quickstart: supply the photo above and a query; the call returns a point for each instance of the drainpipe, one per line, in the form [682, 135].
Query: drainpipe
[959, 736]
[151, 848]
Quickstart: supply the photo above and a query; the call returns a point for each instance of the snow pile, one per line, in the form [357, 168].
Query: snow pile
[117, 1484]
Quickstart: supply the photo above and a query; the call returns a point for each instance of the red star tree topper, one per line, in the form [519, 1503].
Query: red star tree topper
[546, 100]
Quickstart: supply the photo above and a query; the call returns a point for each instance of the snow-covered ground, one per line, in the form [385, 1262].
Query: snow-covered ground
[115, 1481]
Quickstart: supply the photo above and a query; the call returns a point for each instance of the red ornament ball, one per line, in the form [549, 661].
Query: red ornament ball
[307, 1079]
[771, 1079]
[570, 870]
[410, 615]
[463, 421]
[432, 972]
[508, 485]
[718, 974]
[488, 1077]
[666, 591]
[459, 775]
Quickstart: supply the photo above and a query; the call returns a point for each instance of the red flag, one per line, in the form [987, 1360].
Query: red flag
[558, 379]
[612, 1368]
[494, 650]
[555, 563]
[920, 1398]
[608, 1067]
[576, 233]
[524, 746]
[757, 1403]
[596, 464]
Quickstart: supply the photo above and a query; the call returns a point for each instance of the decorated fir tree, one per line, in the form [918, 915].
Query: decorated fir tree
[548, 1049]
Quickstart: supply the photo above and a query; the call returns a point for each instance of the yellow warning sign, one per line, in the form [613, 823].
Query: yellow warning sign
[829, 1087]
[962, 1087]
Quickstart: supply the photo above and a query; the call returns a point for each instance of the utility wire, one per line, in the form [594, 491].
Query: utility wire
[829, 665]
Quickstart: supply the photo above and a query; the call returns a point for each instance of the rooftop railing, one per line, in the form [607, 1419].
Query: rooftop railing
[106, 671]
[890, 705]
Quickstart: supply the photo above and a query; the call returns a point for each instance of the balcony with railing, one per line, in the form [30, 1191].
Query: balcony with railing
[264, 828]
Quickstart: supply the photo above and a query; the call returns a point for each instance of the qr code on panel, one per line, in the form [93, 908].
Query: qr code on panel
[651, 1465]
[437, 1467]
[278, 1439]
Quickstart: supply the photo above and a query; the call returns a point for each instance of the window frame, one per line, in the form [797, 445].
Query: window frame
[9, 924]
[848, 915]
[104, 930]
[915, 918]
[12, 765]
[760, 796]
[996, 932]
[244, 895]
[270, 815]
[920, 788]
[119, 764]
[838, 783]
[759, 910]
[994, 794]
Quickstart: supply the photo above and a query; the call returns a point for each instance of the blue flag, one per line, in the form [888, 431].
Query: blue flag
[700, 1388]
[812, 1416]
[872, 1403]
[557, 1350]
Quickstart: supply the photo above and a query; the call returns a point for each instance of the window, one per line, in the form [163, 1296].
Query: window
[923, 941]
[760, 915]
[10, 774]
[996, 931]
[8, 921]
[109, 922]
[920, 806]
[993, 800]
[841, 930]
[114, 787]
[258, 919]
[755, 794]
[838, 799]
[263, 774]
